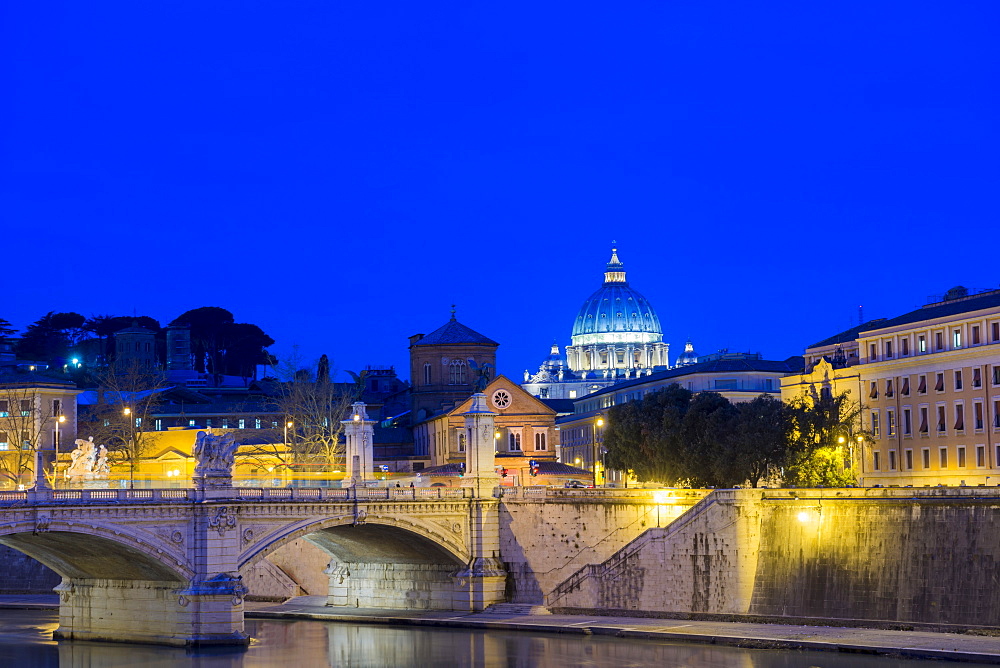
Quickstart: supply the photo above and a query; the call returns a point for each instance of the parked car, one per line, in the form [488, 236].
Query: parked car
[575, 484]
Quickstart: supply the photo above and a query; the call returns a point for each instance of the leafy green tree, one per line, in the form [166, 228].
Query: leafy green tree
[823, 428]
[6, 329]
[645, 436]
[759, 445]
[706, 441]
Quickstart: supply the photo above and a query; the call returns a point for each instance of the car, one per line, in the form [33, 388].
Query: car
[575, 484]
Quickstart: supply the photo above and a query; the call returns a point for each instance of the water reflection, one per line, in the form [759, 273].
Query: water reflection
[25, 640]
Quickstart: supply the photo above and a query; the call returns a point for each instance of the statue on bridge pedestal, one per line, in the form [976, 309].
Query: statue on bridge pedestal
[216, 456]
[89, 464]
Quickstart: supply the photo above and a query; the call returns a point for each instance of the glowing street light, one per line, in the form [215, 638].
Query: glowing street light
[55, 463]
[599, 423]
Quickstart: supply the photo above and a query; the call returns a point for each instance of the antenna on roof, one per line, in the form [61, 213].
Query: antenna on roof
[861, 314]
[452, 311]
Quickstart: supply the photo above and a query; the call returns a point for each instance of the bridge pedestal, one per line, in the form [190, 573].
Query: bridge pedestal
[165, 613]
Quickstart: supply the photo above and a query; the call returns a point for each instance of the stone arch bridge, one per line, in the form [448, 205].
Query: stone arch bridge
[163, 565]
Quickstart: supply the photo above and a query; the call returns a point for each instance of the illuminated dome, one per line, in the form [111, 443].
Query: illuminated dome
[616, 313]
[616, 333]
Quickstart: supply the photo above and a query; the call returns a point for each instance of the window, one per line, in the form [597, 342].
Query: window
[888, 388]
[25, 407]
[892, 460]
[904, 390]
[540, 443]
[4, 442]
[191, 423]
[958, 380]
[925, 455]
[461, 440]
[768, 384]
[996, 375]
[875, 462]
[514, 441]
[225, 423]
[977, 377]
[256, 423]
[873, 352]
[543, 393]
[725, 384]
[975, 335]
[904, 347]
[981, 456]
[939, 383]
[956, 338]
[908, 459]
[456, 373]
[907, 423]
[938, 340]
[875, 431]
[922, 343]
[572, 394]
[158, 424]
[941, 425]
[923, 419]
[995, 327]
[873, 392]
[890, 422]
[943, 457]
[977, 415]
[56, 407]
[996, 413]
[961, 456]
[888, 350]
[241, 423]
[921, 384]
[4, 409]
[427, 374]
[959, 417]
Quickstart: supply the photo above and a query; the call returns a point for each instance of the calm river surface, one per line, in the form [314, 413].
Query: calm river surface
[26, 641]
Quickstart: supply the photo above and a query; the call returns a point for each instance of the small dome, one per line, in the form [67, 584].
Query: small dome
[689, 356]
[616, 307]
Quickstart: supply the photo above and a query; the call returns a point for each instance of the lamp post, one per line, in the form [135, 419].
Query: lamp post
[55, 462]
[599, 422]
[131, 447]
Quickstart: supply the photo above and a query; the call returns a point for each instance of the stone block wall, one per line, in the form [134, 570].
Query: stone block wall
[392, 586]
[928, 556]
[545, 542]
[23, 575]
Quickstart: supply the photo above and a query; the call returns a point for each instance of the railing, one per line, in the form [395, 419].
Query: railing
[659, 496]
[173, 495]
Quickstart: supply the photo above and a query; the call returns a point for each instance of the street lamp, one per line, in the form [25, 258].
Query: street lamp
[597, 423]
[55, 462]
[289, 424]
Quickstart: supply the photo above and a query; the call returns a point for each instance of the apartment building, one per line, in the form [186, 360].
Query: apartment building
[930, 382]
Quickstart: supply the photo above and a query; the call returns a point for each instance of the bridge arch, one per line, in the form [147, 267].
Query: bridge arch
[96, 551]
[382, 539]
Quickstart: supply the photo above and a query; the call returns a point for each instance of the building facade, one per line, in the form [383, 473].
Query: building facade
[930, 381]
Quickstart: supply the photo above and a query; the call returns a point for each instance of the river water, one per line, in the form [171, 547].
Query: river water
[26, 641]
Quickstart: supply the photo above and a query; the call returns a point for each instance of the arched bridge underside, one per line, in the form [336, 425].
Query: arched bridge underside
[169, 572]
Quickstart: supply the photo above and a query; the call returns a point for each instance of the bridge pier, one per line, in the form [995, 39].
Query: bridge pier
[149, 611]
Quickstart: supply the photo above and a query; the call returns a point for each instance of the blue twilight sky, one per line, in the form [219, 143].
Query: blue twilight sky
[340, 173]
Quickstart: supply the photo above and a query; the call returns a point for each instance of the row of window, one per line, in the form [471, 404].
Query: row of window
[887, 387]
[513, 441]
[938, 340]
[943, 460]
[938, 421]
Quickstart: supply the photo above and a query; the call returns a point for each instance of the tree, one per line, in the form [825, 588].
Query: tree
[6, 329]
[759, 445]
[220, 345]
[50, 337]
[706, 442]
[645, 436]
[315, 409]
[823, 429]
[25, 420]
[128, 394]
